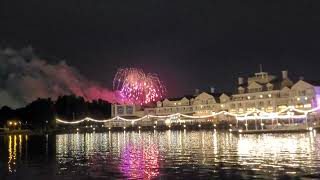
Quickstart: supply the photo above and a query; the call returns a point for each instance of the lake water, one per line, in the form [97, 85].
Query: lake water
[160, 155]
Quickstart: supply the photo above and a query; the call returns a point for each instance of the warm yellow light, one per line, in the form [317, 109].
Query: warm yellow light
[307, 106]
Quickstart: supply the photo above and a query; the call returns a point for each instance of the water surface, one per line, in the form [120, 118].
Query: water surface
[160, 155]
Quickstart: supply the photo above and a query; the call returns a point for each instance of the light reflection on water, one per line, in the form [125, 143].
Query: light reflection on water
[147, 155]
[13, 148]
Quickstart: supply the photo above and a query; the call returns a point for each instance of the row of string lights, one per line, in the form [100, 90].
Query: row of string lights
[256, 114]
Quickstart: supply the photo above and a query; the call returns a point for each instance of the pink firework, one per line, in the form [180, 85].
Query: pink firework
[136, 87]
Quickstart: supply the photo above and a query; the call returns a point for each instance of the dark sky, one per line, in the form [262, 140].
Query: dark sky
[188, 43]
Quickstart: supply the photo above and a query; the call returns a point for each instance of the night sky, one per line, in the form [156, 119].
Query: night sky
[189, 44]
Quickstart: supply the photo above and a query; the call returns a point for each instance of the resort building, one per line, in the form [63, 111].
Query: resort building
[263, 92]
[271, 94]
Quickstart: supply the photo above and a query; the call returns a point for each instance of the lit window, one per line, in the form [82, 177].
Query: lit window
[298, 99]
[261, 96]
[249, 97]
[282, 107]
[269, 95]
[306, 98]
[270, 109]
[307, 106]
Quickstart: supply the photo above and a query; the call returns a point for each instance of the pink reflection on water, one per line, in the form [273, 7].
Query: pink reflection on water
[139, 162]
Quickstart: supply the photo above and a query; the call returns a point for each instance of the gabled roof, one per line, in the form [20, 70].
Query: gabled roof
[313, 82]
[299, 83]
[278, 84]
[253, 84]
[176, 99]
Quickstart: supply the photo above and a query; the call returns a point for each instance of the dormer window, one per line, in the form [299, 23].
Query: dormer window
[270, 87]
[241, 90]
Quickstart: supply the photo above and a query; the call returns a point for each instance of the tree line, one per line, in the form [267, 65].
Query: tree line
[41, 113]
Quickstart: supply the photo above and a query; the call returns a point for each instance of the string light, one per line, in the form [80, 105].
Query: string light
[245, 116]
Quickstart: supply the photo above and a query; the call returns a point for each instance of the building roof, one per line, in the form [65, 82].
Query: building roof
[278, 84]
[313, 82]
[189, 97]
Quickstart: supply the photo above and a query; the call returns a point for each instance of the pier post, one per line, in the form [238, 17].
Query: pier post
[255, 121]
[246, 123]
[290, 119]
[237, 123]
[306, 114]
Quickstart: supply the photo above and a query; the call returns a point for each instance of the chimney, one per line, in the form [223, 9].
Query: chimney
[212, 90]
[240, 80]
[196, 92]
[285, 74]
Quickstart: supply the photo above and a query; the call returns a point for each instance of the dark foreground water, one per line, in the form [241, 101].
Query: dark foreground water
[160, 155]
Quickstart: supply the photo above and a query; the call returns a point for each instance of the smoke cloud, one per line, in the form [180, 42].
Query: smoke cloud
[24, 78]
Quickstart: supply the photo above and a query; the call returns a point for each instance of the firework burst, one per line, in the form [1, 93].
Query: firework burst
[136, 87]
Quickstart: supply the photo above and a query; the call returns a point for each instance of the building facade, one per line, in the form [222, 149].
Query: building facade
[262, 92]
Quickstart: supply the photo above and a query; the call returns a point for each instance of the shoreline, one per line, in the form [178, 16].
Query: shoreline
[160, 129]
